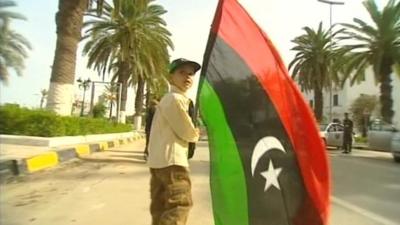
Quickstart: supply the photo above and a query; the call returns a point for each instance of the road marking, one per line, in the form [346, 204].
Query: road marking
[373, 216]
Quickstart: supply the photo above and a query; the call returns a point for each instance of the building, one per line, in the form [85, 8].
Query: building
[343, 98]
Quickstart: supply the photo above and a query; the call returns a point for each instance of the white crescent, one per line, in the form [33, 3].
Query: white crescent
[264, 145]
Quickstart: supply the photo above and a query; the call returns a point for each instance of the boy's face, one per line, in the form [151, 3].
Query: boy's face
[182, 77]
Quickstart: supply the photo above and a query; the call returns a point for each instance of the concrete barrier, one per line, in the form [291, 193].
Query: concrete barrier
[62, 141]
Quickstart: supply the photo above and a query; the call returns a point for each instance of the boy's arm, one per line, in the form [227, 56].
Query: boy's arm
[175, 112]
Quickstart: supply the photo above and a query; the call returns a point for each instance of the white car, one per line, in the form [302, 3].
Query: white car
[332, 134]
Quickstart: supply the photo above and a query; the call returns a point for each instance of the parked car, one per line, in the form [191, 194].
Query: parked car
[385, 137]
[332, 134]
[380, 135]
[395, 147]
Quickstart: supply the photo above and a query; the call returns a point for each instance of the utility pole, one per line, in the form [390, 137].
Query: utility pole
[331, 3]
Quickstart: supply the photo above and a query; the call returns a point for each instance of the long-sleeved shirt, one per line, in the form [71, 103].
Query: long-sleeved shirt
[171, 131]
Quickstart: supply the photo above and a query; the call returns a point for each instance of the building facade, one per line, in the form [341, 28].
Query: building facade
[343, 98]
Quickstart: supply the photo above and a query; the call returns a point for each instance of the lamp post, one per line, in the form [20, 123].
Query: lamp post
[331, 3]
[366, 115]
[85, 85]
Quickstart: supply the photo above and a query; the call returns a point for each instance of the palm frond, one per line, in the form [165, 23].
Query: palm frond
[13, 46]
[132, 35]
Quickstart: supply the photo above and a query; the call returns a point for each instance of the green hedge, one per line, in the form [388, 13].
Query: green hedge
[23, 121]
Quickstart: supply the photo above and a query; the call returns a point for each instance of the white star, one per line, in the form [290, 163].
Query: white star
[271, 175]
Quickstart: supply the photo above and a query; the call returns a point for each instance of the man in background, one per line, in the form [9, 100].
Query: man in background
[347, 134]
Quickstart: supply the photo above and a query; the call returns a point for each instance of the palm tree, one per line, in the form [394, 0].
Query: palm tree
[110, 96]
[13, 46]
[43, 96]
[314, 65]
[155, 89]
[69, 21]
[132, 44]
[376, 45]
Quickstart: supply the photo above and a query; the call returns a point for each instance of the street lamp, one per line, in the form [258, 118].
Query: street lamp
[85, 85]
[331, 3]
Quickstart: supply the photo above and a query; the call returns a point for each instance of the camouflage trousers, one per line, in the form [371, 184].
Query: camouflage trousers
[171, 197]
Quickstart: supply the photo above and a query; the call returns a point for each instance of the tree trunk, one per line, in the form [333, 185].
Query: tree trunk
[386, 92]
[41, 102]
[139, 104]
[318, 104]
[139, 97]
[148, 94]
[123, 78]
[111, 108]
[69, 19]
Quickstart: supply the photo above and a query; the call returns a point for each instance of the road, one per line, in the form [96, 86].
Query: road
[112, 188]
[366, 188]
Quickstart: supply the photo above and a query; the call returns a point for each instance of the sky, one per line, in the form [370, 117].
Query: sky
[189, 21]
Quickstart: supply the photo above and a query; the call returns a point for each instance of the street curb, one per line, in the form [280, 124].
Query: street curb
[52, 158]
[370, 149]
[360, 147]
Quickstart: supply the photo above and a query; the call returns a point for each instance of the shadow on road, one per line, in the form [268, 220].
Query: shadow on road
[83, 169]
[116, 159]
[119, 151]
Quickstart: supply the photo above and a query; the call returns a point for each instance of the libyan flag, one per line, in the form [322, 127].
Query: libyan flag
[268, 163]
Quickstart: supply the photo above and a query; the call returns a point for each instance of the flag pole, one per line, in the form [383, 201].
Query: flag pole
[210, 43]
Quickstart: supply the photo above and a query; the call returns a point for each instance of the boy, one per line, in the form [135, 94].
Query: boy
[171, 131]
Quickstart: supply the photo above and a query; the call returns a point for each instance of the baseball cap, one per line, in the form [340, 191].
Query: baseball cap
[181, 61]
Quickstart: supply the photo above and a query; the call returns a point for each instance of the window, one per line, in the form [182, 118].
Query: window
[331, 129]
[335, 100]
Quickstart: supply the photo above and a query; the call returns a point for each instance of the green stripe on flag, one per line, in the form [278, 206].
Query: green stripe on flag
[228, 184]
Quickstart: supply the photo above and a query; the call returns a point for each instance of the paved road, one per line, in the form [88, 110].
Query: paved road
[366, 188]
[112, 188]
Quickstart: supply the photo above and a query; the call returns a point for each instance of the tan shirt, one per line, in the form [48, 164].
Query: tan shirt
[171, 131]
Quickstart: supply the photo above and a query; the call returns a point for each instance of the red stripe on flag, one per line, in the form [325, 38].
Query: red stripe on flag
[237, 29]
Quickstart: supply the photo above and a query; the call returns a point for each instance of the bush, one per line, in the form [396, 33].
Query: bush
[99, 110]
[361, 105]
[22, 121]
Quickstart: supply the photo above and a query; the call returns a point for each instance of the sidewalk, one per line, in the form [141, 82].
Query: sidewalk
[110, 187]
[9, 151]
[20, 159]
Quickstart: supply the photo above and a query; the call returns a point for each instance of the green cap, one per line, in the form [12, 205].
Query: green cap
[180, 62]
